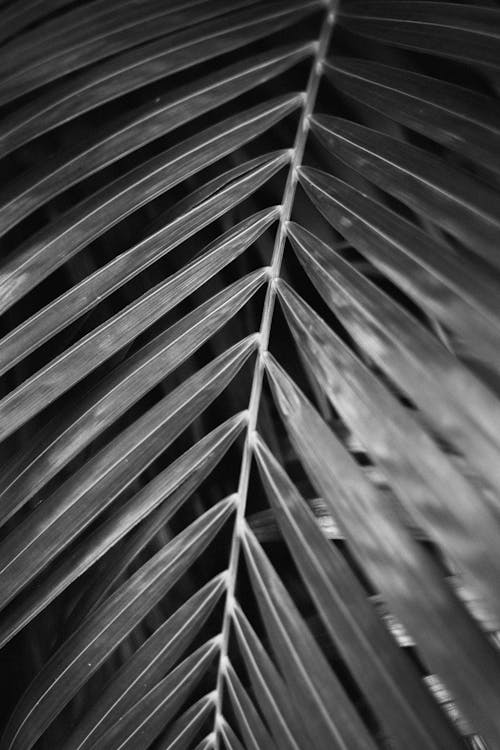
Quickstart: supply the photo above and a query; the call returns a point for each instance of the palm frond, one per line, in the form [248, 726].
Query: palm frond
[249, 374]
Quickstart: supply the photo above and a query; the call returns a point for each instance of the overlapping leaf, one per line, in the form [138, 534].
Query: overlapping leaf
[467, 32]
[456, 117]
[100, 634]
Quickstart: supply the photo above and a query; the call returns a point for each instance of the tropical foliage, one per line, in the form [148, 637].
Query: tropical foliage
[249, 408]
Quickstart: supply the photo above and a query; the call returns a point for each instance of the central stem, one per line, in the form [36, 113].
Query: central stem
[297, 153]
